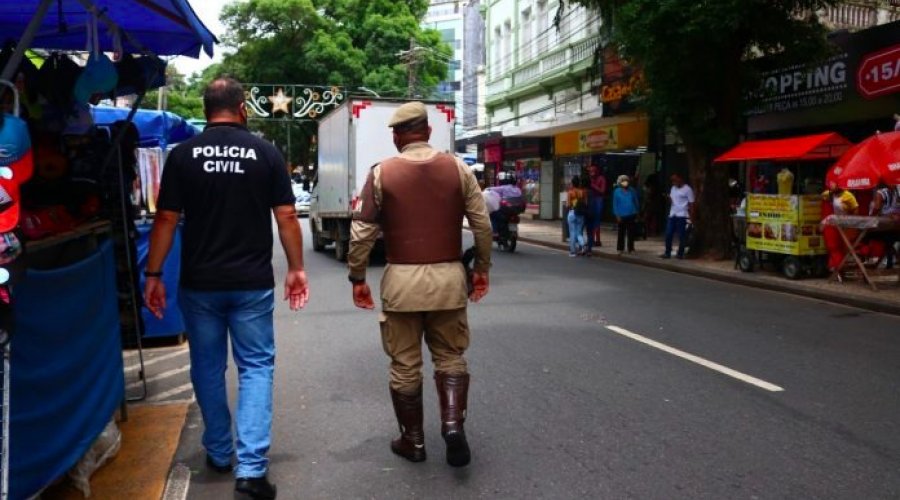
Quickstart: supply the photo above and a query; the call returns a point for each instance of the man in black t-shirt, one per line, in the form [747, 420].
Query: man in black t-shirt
[228, 182]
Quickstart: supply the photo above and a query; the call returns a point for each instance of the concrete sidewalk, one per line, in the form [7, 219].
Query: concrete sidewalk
[852, 292]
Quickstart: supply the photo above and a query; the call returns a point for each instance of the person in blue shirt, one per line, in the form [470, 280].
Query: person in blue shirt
[626, 206]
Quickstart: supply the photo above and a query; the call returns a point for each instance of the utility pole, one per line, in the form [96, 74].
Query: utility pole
[412, 58]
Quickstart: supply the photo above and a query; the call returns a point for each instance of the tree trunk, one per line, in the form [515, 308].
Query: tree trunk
[712, 222]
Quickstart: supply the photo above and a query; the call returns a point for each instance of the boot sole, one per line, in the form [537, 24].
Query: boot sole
[415, 457]
[458, 454]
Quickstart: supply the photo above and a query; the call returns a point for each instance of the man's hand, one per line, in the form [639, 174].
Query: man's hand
[155, 296]
[362, 296]
[296, 289]
[480, 286]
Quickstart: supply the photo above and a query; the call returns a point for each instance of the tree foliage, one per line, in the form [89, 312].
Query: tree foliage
[345, 43]
[700, 62]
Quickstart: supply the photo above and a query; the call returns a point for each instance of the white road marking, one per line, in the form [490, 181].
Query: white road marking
[762, 384]
[152, 361]
[165, 374]
[171, 392]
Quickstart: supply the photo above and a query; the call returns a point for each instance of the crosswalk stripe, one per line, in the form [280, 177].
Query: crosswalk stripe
[171, 392]
[154, 360]
[161, 376]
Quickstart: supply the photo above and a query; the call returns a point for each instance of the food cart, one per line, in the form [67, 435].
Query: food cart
[782, 215]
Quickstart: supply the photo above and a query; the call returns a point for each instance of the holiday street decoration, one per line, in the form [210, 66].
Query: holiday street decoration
[291, 102]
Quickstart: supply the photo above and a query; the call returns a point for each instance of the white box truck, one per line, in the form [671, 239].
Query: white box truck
[352, 139]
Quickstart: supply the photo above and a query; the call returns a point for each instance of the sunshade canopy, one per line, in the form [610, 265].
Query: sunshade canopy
[156, 128]
[165, 27]
[807, 147]
[872, 161]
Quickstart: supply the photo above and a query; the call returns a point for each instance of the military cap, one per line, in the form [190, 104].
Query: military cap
[409, 112]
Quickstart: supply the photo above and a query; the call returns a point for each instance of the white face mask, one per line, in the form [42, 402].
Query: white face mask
[625, 184]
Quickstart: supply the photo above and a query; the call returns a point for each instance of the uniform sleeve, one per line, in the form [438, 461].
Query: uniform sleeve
[367, 207]
[170, 196]
[282, 193]
[479, 221]
[364, 229]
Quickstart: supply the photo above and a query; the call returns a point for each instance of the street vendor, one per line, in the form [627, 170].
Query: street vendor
[886, 203]
[837, 201]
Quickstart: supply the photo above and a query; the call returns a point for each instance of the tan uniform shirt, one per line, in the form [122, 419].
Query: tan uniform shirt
[424, 287]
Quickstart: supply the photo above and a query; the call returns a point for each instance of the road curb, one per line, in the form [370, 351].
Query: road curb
[739, 279]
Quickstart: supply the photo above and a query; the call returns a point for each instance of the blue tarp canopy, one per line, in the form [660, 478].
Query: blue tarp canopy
[156, 128]
[165, 27]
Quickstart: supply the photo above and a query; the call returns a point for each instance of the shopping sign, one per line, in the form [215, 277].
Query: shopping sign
[879, 73]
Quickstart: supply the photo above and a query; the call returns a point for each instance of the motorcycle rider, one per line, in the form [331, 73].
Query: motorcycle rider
[506, 188]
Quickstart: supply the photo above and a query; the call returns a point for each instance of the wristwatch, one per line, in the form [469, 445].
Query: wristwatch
[153, 274]
[356, 281]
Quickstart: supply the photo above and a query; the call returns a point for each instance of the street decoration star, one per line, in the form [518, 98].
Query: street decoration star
[280, 102]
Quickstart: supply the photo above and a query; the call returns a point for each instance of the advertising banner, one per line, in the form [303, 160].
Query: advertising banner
[599, 139]
[785, 224]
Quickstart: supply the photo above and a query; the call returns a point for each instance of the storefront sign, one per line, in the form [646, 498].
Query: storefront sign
[866, 67]
[627, 135]
[785, 224]
[600, 139]
[800, 87]
[879, 73]
[621, 84]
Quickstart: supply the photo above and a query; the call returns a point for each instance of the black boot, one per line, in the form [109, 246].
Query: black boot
[408, 408]
[453, 391]
[256, 487]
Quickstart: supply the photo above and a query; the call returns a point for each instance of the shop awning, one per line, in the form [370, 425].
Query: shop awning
[165, 27]
[807, 147]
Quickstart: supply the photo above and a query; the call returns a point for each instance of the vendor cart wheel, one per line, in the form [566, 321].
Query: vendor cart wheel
[746, 261]
[792, 267]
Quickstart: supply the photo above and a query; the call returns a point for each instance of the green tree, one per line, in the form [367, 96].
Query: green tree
[180, 97]
[700, 62]
[345, 43]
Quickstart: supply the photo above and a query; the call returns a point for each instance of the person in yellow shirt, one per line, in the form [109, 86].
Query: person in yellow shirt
[785, 179]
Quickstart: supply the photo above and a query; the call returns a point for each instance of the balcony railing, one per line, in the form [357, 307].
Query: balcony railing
[860, 14]
[547, 65]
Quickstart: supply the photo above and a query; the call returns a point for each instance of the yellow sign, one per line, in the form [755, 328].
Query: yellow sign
[598, 139]
[785, 224]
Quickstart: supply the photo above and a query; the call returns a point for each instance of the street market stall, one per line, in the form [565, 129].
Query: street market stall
[873, 163]
[783, 205]
[66, 369]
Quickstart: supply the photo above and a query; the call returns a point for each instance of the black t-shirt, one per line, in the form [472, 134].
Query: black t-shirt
[226, 180]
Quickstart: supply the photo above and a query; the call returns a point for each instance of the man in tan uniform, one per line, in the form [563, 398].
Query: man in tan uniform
[418, 200]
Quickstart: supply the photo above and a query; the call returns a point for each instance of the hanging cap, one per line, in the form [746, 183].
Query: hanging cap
[16, 165]
[409, 112]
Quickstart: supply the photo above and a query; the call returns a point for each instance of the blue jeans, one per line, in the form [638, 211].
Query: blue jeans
[676, 225]
[247, 315]
[595, 219]
[576, 232]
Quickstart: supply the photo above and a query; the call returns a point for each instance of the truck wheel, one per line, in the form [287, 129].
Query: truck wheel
[317, 243]
[792, 267]
[341, 250]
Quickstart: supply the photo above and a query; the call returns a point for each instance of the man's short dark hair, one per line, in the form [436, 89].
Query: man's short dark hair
[223, 94]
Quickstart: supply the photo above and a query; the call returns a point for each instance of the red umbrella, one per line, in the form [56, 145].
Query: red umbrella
[874, 160]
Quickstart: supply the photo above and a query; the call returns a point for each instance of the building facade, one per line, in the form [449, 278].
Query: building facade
[544, 101]
[446, 17]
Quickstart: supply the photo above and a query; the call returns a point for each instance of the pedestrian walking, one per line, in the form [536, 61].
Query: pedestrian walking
[681, 199]
[227, 183]
[596, 196]
[418, 200]
[626, 206]
[577, 198]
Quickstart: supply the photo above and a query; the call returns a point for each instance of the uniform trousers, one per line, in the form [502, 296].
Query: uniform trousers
[445, 332]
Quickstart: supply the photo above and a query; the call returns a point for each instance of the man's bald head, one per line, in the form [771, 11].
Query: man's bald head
[223, 99]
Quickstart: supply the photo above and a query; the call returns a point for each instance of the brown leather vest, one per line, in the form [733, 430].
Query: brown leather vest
[422, 208]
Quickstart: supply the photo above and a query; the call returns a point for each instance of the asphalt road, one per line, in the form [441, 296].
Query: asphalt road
[564, 405]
